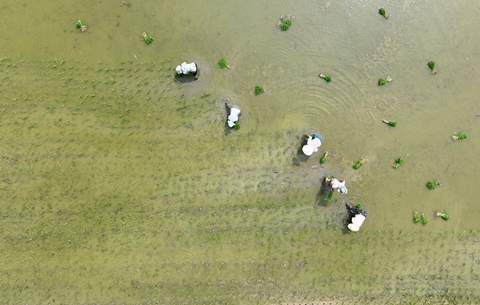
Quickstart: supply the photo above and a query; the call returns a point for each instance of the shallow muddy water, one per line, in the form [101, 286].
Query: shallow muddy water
[120, 184]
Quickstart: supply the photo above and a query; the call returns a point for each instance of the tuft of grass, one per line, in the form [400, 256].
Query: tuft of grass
[432, 65]
[423, 219]
[359, 163]
[416, 217]
[147, 38]
[327, 78]
[259, 90]
[391, 123]
[324, 158]
[384, 81]
[79, 25]
[398, 162]
[329, 197]
[382, 12]
[237, 126]
[222, 63]
[431, 185]
[461, 136]
[285, 22]
[444, 216]
[205, 95]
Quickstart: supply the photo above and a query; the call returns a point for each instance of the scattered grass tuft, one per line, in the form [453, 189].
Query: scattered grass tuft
[222, 63]
[285, 22]
[382, 12]
[259, 90]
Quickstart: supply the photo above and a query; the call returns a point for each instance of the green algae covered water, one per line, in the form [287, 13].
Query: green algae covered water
[120, 184]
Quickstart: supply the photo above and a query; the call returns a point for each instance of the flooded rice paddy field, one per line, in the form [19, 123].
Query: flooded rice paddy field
[120, 184]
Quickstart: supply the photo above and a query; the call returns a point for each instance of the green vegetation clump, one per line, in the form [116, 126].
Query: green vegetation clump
[329, 197]
[222, 63]
[391, 123]
[327, 78]
[384, 81]
[359, 163]
[382, 12]
[432, 65]
[205, 95]
[462, 135]
[285, 22]
[444, 216]
[416, 217]
[431, 185]
[147, 38]
[79, 25]
[259, 90]
[236, 126]
[423, 219]
[398, 162]
[324, 158]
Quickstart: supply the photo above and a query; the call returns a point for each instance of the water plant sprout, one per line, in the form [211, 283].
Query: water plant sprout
[416, 217]
[384, 81]
[431, 185]
[327, 78]
[359, 163]
[382, 12]
[444, 216]
[398, 162]
[461, 136]
[324, 158]
[259, 90]
[329, 197]
[423, 219]
[79, 24]
[391, 123]
[285, 22]
[147, 38]
[222, 63]
[432, 65]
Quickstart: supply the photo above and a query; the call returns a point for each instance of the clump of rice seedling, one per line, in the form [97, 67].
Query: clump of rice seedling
[444, 216]
[327, 78]
[205, 95]
[222, 63]
[431, 185]
[285, 22]
[324, 158]
[147, 38]
[329, 197]
[461, 136]
[398, 162]
[384, 81]
[391, 123]
[416, 217]
[79, 24]
[432, 65]
[359, 163]
[423, 219]
[259, 90]
[382, 12]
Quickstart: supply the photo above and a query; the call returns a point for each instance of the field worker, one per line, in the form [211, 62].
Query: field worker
[313, 143]
[336, 184]
[233, 112]
[358, 218]
[185, 69]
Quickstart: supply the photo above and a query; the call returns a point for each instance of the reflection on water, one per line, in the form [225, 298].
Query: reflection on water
[120, 184]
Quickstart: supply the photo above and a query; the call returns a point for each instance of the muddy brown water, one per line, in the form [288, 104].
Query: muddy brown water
[120, 184]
